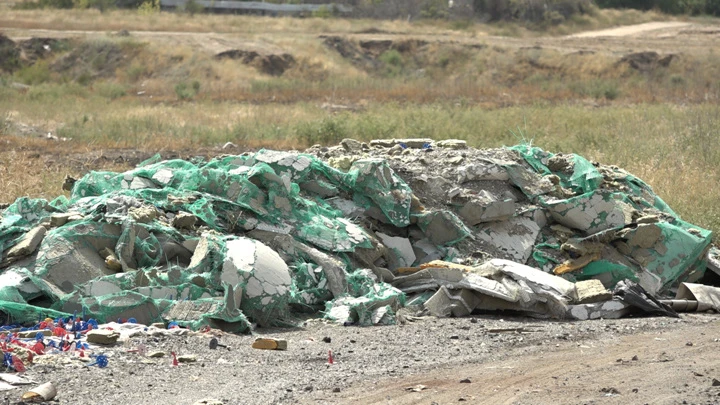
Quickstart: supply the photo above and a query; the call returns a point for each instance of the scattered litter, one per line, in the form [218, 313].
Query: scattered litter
[416, 388]
[214, 344]
[43, 392]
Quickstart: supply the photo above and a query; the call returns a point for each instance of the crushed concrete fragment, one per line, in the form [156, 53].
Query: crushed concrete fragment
[102, 336]
[403, 251]
[28, 243]
[591, 291]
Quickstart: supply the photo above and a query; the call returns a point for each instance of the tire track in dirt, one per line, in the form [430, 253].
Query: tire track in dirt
[655, 368]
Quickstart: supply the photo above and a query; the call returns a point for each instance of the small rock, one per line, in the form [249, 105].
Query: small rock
[635, 358]
[336, 389]
[156, 354]
[454, 337]
[309, 388]
[209, 402]
[187, 358]
[689, 344]
[465, 381]
[327, 339]
[102, 336]
[716, 382]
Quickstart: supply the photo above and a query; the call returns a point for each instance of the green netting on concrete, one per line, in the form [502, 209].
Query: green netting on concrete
[374, 180]
[442, 228]
[309, 290]
[584, 177]
[675, 254]
[378, 306]
[20, 313]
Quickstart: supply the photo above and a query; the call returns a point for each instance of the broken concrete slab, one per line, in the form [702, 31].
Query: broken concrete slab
[591, 213]
[591, 291]
[443, 228]
[484, 207]
[446, 302]
[537, 279]
[613, 309]
[403, 256]
[264, 275]
[513, 239]
[28, 243]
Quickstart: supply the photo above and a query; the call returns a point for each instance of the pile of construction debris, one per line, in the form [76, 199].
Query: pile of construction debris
[366, 233]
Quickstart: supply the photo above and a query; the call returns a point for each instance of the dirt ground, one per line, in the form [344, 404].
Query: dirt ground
[662, 37]
[486, 359]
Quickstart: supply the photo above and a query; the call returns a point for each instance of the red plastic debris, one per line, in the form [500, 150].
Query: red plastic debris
[331, 360]
[18, 364]
[38, 348]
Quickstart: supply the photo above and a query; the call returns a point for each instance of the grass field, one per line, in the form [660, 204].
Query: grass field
[169, 93]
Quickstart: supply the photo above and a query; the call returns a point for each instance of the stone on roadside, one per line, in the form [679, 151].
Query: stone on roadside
[187, 358]
[102, 336]
[270, 344]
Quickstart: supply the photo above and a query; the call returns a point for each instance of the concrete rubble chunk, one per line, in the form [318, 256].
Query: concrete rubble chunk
[28, 243]
[351, 145]
[537, 279]
[485, 207]
[414, 143]
[513, 239]
[443, 228]
[591, 291]
[63, 218]
[184, 220]
[613, 309]
[403, 256]
[102, 336]
[446, 302]
[591, 213]
[485, 169]
[451, 144]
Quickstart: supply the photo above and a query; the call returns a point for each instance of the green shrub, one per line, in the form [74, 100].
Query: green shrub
[323, 12]
[192, 7]
[149, 7]
[34, 74]
[110, 90]
[326, 131]
[185, 92]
